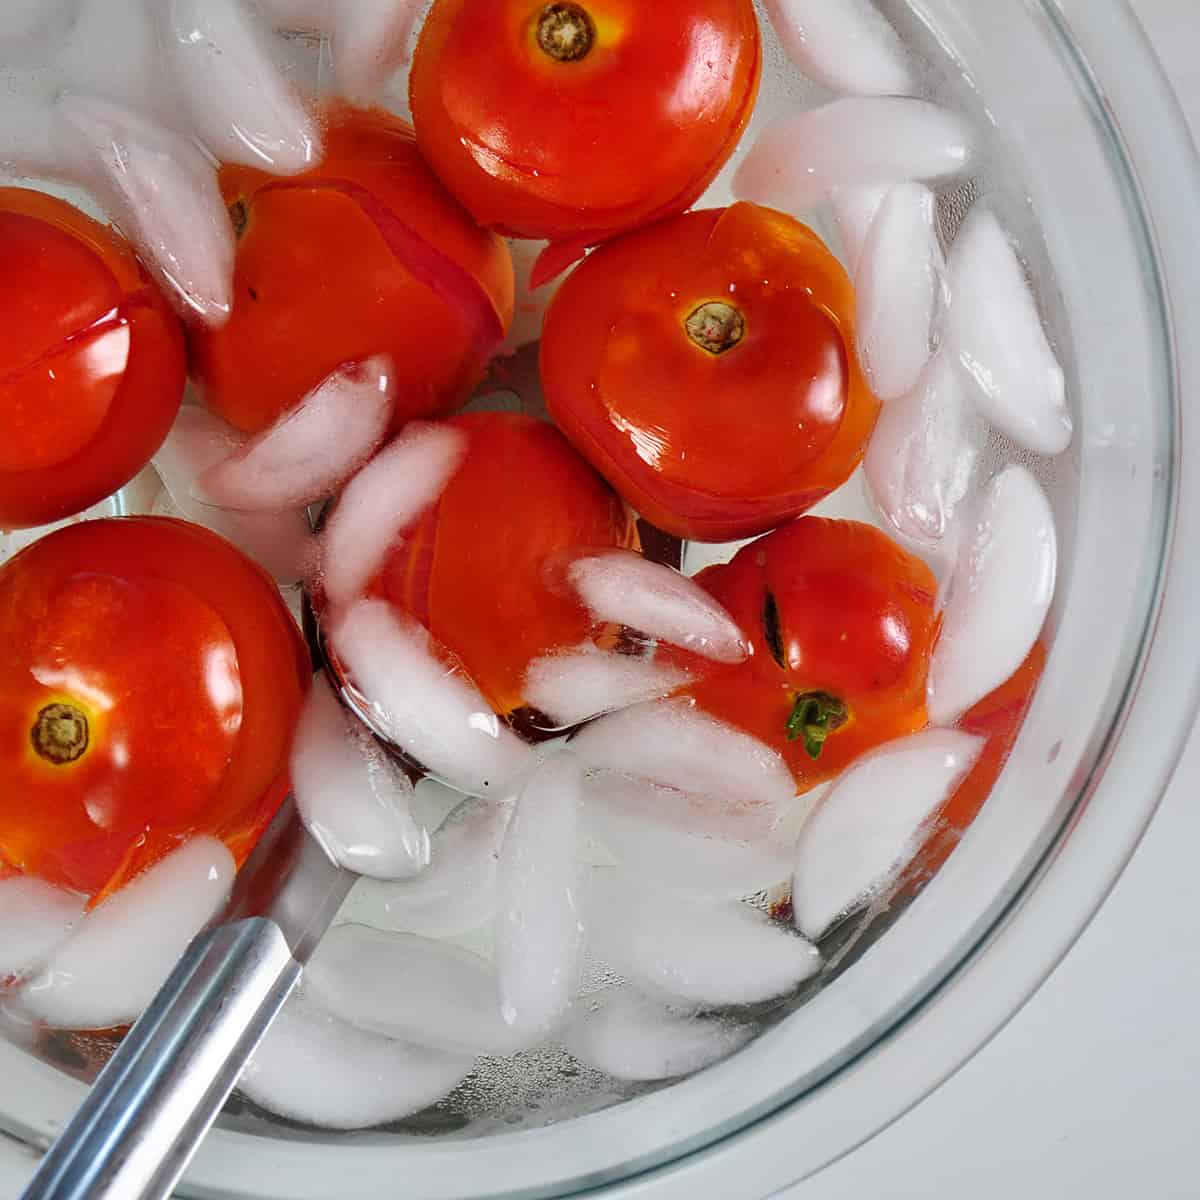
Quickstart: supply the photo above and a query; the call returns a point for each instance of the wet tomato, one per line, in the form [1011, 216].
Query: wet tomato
[841, 623]
[91, 361]
[150, 678]
[706, 367]
[365, 254]
[481, 571]
[578, 121]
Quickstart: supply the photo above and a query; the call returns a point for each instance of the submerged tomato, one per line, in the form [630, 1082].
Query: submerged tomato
[840, 622]
[91, 361]
[480, 570]
[706, 367]
[150, 678]
[578, 121]
[365, 254]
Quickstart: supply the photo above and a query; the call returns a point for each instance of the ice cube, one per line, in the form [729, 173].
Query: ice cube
[457, 891]
[30, 143]
[35, 919]
[847, 45]
[282, 542]
[997, 334]
[629, 1036]
[530, 304]
[314, 1068]
[870, 824]
[627, 589]
[999, 595]
[313, 449]
[121, 953]
[162, 191]
[921, 461]
[370, 41]
[713, 956]
[382, 500]
[901, 288]
[238, 101]
[29, 29]
[674, 744]
[398, 985]
[299, 16]
[854, 209]
[574, 686]
[798, 159]
[416, 701]
[351, 797]
[538, 931]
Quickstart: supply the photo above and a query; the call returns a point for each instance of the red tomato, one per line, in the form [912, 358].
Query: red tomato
[479, 571]
[91, 361]
[578, 121]
[840, 622]
[150, 678]
[706, 368]
[365, 254]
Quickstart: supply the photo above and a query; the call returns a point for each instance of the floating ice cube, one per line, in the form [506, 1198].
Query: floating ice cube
[29, 28]
[281, 542]
[313, 449]
[457, 891]
[314, 1068]
[629, 1036]
[370, 41]
[431, 993]
[854, 209]
[238, 101]
[301, 16]
[575, 686]
[382, 500]
[530, 304]
[627, 589]
[921, 461]
[721, 954]
[999, 595]
[901, 288]
[351, 797]
[35, 919]
[998, 336]
[119, 955]
[30, 144]
[847, 45]
[798, 159]
[162, 192]
[672, 743]
[870, 824]
[414, 700]
[538, 931]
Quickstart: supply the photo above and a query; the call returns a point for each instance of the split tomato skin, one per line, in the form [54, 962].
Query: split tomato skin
[706, 367]
[150, 680]
[365, 254]
[92, 361]
[484, 568]
[575, 122]
[841, 623]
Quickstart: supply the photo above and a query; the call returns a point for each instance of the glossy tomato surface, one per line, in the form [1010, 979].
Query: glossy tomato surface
[841, 623]
[92, 361]
[577, 121]
[483, 569]
[706, 367]
[150, 679]
[365, 254]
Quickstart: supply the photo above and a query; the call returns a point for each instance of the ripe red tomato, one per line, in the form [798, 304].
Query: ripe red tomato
[578, 121]
[841, 623]
[706, 368]
[91, 361]
[479, 571]
[365, 254]
[150, 678]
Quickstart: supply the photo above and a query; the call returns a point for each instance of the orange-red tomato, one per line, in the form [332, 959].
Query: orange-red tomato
[706, 367]
[580, 120]
[841, 623]
[91, 361]
[150, 679]
[364, 254]
[482, 568]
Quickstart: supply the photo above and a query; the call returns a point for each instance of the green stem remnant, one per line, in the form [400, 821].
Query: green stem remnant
[716, 327]
[60, 734]
[815, 715]
[565, 32]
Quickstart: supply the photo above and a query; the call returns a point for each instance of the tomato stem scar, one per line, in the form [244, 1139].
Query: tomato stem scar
[565, 32]
[716, 327]
[239, 215]
[60, 733]
[815, 715]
